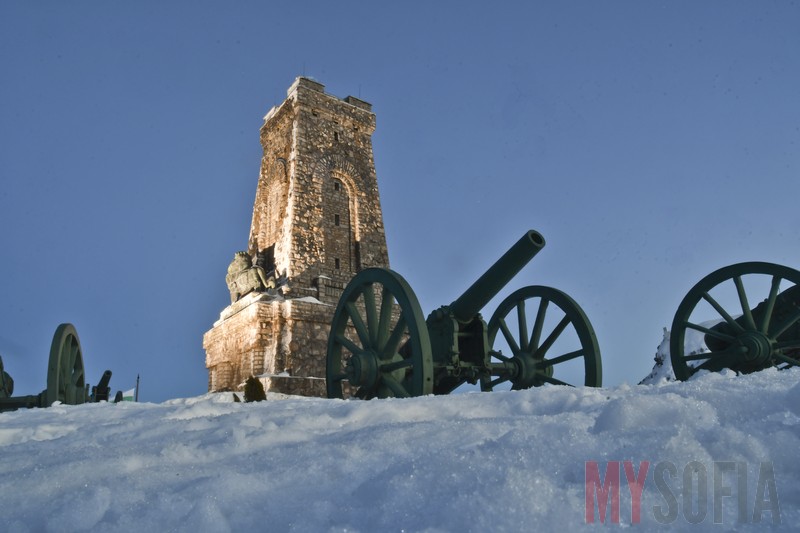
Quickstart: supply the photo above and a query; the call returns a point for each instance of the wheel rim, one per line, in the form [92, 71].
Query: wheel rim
[379, 342]
[718, 324]
[65, 374]
[547, 349]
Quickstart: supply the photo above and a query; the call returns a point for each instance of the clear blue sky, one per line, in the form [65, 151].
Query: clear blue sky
[650, 142]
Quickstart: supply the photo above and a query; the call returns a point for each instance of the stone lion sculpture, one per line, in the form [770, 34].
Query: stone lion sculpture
[244, 277]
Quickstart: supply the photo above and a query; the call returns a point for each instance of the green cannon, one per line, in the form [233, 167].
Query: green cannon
[65, 376]
[102, 391]
[716, 328]
[380, 346]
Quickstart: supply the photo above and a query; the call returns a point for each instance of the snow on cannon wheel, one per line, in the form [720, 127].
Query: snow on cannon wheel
[558, 347]
[716, 328]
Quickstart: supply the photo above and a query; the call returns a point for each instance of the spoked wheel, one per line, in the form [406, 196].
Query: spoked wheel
[379, 345]
[558, 347]
[715, 326]
[66, 381]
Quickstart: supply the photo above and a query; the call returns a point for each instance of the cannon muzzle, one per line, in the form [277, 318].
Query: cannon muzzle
[493, 280]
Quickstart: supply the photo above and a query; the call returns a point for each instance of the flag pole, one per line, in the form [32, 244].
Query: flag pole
[136, 392]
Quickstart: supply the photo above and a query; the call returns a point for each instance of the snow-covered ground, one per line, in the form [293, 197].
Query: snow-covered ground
[503, 461]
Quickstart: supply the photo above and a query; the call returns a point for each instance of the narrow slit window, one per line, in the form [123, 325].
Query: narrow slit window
[336, 263]
[336, 220]
[335, 185]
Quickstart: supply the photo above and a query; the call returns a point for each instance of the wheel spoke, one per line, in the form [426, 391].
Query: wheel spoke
[73, 352]
[746, 312]
[498, 381]
[68, 363]
[723, 313]
[552, 380]
[393, 344]
[499, 355]
[385, 322]
[536, 334]
[398, 390]
[548, 343]
[350, 345]
[76, 376]
[62, 365]
[699, 356]
[340, 377]
[358, 324]
[363, 394]
[713, 333]
[773, 295]
[786, 324]
[372, 314]
[732, 350]
[397, 365]
[512, 343]
[787, 359]
[563, 358]
[714, 364]
[788, 345]
[522, 322]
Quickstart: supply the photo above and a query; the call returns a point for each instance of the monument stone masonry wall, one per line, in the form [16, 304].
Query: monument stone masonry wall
[317, 221]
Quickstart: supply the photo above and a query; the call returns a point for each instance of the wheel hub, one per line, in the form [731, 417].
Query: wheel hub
[529, 371]
[362, 369]
[757, 347]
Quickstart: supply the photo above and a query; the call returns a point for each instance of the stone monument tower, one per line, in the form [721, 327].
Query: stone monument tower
[316, 222]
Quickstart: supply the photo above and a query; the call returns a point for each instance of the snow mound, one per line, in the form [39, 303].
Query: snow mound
[504, 461]
[662, 369]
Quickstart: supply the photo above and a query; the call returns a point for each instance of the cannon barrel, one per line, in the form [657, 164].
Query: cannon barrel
[469, 304]
[21, 402]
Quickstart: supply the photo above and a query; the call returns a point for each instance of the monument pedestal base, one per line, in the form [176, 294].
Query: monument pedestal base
[281, 341]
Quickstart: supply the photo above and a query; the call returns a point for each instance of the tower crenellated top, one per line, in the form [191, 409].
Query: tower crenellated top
[302, 84]
[308, 83]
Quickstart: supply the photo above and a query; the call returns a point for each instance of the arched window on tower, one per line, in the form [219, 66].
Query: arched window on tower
[269, 213]
[341, 243]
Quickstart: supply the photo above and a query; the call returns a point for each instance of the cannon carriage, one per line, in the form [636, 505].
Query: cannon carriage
[66, 381]
[380, 344]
